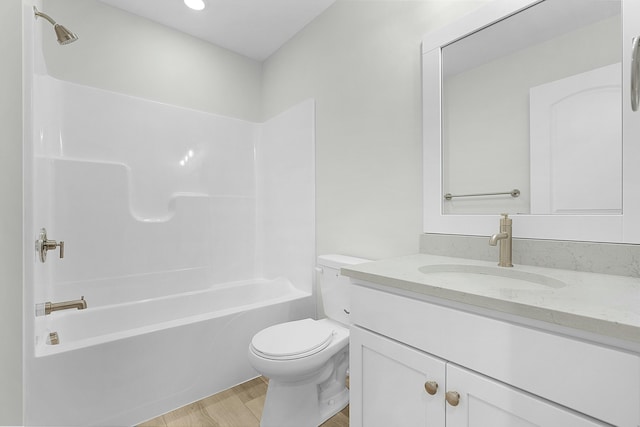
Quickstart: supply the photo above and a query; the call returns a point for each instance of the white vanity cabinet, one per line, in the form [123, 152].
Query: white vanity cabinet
[394, 384]
[485, 402]
[497, 373]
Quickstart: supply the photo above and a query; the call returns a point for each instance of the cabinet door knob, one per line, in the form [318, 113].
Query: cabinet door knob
[431, 387]
[452, 397]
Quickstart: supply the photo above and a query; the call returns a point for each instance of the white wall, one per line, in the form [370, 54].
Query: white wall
[124, 53]
[360, 61]
[11, 214]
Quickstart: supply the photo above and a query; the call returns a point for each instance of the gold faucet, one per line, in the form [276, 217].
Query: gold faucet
[504, 237]
[80, 304]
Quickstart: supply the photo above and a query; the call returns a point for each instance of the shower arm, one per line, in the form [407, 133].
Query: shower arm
[43, 15]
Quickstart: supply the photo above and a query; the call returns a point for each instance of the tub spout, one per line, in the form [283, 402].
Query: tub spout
[80, 304]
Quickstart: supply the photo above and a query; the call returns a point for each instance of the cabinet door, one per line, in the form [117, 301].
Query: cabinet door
[486, 402]
[393, 384]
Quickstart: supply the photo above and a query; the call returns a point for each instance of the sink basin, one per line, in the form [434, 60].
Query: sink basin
[476, 275]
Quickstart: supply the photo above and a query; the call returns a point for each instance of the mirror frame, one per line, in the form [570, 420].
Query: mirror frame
[622, 228]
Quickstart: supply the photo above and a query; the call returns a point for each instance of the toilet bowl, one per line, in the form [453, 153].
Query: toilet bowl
[307, 360]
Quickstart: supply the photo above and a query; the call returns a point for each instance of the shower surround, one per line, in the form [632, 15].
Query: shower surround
[186, 233]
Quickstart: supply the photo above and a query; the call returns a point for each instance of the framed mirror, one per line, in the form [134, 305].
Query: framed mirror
[525, 113]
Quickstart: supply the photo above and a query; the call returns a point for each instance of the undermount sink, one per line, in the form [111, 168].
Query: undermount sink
[479, 274]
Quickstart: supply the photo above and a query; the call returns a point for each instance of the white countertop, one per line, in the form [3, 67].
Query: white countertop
[601, 304]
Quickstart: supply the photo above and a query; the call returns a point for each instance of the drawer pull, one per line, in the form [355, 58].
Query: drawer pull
[452, 397]
[431, 387]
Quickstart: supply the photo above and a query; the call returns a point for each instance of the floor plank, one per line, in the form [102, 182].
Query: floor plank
[230, 412]
[256, 405]
[240, 406]
[190, 415]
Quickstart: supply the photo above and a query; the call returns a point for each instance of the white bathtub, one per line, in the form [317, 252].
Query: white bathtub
[152, 243]
[123, 364]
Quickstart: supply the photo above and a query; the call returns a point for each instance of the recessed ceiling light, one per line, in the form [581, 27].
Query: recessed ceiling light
[195, 4]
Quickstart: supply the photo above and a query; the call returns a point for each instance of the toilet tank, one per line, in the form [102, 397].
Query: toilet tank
[335, 289]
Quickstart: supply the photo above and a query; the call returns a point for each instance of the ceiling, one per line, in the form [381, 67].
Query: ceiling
[253, 28]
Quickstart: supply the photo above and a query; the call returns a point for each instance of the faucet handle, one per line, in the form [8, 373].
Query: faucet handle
[43, 245]
[505, 220]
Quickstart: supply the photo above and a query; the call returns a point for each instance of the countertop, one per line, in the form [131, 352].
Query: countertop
[601, 304]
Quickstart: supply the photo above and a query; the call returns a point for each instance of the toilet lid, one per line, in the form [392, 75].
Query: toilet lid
[292, 340]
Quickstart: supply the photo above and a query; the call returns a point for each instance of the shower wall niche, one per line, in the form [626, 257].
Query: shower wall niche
[153, 199]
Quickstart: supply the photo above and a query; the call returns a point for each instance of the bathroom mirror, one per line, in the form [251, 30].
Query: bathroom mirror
[522, 97]
[523, 114]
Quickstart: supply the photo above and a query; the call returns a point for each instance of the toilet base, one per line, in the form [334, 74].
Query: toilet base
[309, 403]
[330, 407]
[299, 406]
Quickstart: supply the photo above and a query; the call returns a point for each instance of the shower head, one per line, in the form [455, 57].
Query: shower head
[64, 35]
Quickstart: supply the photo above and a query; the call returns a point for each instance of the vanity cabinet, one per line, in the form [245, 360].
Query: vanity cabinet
[418, 363]
[485, 402]
[394, 384]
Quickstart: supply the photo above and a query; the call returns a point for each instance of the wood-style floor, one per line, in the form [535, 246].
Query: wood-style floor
[240, 406]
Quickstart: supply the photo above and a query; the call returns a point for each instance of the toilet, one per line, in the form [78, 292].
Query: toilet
[307, 360]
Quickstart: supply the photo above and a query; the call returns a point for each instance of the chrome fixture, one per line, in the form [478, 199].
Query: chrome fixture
[49, 307]
[64, 35]
[43, 245]
[504, 237]
[513, 193]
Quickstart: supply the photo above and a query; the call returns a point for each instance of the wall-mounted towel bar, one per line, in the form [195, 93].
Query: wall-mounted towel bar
[512, 193]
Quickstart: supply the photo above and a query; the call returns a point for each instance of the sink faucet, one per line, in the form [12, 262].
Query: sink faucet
[80, 304]
[504, 237]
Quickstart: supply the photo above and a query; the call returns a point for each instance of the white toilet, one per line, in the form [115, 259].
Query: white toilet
[306, 361]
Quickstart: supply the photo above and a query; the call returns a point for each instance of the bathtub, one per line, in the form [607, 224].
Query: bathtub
[122, 364]
[153, 244]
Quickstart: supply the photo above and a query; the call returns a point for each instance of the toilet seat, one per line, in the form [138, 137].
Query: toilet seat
[292, 340]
